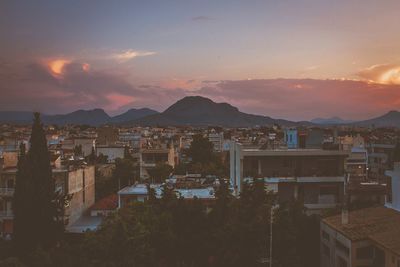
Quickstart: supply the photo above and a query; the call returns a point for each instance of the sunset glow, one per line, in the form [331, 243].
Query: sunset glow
[57, 65]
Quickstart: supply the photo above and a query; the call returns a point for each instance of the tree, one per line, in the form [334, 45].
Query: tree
[78, 150]
[201, 150]
[36, 204]
[124, 173]
[160, 172]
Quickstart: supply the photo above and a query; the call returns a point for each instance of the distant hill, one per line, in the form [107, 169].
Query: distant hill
[133, 114]
[201, 111]
[390, 119]
[18, 117]
[94, 117]
[330, 121]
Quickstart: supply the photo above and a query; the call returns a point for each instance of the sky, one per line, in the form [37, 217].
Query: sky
[292, 59]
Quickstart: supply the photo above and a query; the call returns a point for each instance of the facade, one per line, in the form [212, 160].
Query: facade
[139, 193]
[291, 138]
[357, 165]
[217, 139]
[78, 182]
[150, 157]
[365, 237]
[111, 151]
[314, 176]
[107, 136]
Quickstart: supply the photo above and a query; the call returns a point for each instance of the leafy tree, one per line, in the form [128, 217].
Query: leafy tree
[160, 172]
[201, 150]
[127, 153]
[125, 172]
[78, 150]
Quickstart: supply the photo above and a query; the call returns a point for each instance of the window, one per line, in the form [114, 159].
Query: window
[341, 247]
[325, 235]
[10, 183]
[328, 190]
[326, 250]
[364, 252]
[341, 262]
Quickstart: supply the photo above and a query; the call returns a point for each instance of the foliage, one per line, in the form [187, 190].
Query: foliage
[38, 219]
[203, 159]
[160, 172]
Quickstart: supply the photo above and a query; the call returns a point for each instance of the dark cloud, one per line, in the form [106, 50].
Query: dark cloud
[202, 18]
[35, 87]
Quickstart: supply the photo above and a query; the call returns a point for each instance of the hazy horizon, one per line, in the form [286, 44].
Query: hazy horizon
[338, 58]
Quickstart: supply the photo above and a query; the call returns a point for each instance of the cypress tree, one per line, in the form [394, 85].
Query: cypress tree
[37, 218]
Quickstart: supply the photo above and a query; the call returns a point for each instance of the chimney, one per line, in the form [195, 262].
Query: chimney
[345, 216]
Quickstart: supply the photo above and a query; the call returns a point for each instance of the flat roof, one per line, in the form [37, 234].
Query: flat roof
[293, 152]
[366, 223]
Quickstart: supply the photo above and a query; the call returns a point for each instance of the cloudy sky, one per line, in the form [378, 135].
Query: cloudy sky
[292, 59]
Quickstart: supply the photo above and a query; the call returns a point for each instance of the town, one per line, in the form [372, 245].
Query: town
[344, 177]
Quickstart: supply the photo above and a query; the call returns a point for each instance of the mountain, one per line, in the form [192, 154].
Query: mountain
[133, 114]
[390, 119]
[201, 111]
[18, 117]
[93, 117]
[330, 121]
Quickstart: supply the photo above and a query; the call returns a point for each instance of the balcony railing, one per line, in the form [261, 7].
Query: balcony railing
[6, 214]
[6, 191]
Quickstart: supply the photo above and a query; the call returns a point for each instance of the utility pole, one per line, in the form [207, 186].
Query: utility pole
[270, 235]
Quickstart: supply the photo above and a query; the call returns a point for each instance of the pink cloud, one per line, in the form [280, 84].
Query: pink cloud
[118, 100]
[307, 98]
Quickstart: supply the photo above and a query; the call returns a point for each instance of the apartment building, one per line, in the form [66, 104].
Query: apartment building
[365, 237]
[77, 180]
[314, 176]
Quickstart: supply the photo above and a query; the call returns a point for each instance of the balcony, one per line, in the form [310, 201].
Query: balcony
[6, 191]
[6, 214]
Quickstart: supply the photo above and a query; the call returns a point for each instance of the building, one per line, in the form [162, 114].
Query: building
[139, 193]
[314, 176]
[107, 136]
[357, 165]
[291, 138]
[365, 237]
[112, 152]
[150, 157]
[380, 159]
[78, 181]
[217, 139]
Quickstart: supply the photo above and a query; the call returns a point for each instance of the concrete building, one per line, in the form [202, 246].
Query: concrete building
[111, 151]
[357, 165]
[107, 136]
[380, 159]
[77, 181]
[314, 176]
[217, 139]
[150, 157]
[291, 138]
[365, 237]
[139, 192]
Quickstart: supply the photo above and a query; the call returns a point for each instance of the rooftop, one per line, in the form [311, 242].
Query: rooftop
[367, 223]
[293, 152]
[107, 203]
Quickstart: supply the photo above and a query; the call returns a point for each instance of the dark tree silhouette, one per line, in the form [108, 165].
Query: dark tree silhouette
[38, 219]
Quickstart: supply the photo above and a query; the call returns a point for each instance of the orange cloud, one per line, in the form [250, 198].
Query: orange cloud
[57, 66]
[381, 73]
[130, 54]
[85, 67]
